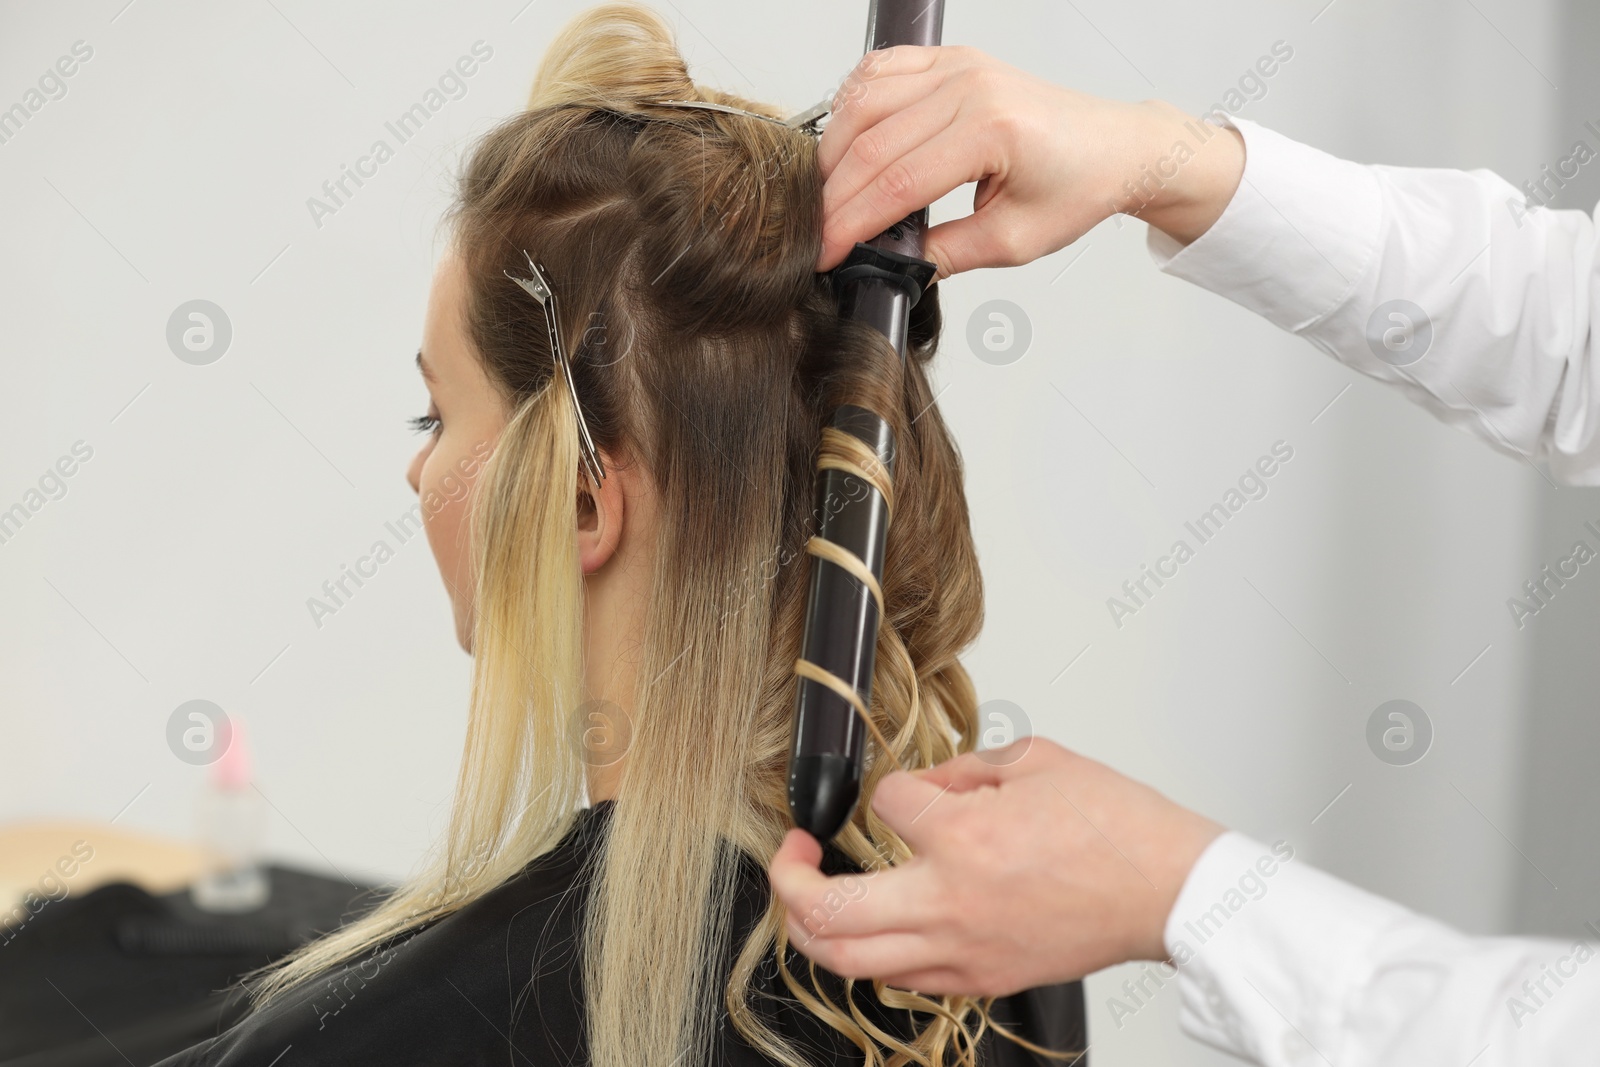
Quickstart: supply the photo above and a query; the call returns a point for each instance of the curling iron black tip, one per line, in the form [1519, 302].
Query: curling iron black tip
[823, 790]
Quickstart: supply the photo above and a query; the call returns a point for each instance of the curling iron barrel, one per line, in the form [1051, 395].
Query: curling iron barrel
[877, 284]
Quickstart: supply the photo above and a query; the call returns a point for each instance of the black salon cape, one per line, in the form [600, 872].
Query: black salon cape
[499, 982]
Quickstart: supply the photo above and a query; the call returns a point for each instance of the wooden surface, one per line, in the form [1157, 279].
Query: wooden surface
[33, 857]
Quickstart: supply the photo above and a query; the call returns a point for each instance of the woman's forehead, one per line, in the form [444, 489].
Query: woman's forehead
[444, 353]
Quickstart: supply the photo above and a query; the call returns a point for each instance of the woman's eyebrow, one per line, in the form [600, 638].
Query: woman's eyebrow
[427, 372]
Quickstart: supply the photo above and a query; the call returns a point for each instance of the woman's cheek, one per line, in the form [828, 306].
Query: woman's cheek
[444, 516]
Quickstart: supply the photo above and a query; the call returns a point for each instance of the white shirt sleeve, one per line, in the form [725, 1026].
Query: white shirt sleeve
[1495, 332]
[1286, 966]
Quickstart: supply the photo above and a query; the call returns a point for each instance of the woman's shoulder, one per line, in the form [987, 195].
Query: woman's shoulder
[496, 979]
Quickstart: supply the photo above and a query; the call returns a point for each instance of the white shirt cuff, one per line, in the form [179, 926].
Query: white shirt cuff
[1270, 951]
[1298, 234]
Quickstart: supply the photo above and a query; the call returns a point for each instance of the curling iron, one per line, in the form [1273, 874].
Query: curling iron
[878, 284]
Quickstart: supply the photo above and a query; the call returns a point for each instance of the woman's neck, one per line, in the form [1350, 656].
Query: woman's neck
[616, 599]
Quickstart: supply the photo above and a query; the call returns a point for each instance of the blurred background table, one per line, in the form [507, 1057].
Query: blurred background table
[113, 964]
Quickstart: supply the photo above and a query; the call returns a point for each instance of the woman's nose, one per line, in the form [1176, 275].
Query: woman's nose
[414, 473]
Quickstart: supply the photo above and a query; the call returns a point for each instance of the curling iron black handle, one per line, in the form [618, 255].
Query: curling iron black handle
[892, 22]
[878, 284]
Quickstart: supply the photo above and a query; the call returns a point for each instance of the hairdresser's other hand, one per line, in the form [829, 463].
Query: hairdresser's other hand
[1031, 865]
[912, 123]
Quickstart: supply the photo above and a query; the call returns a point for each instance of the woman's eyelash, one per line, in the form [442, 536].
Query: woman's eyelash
[423, 423]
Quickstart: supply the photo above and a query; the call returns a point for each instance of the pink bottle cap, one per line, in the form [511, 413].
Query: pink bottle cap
[232, 769]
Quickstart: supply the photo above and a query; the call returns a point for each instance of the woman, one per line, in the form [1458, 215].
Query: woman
[649, 594]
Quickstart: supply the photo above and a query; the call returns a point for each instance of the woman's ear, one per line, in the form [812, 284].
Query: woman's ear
[600, 517]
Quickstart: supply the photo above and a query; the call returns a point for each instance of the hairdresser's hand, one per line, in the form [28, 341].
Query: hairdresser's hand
[912, 123]
[1025, 873]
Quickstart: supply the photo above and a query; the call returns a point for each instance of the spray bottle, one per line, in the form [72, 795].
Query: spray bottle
[232, 816]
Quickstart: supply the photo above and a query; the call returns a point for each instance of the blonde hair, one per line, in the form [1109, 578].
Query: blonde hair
[705, 348]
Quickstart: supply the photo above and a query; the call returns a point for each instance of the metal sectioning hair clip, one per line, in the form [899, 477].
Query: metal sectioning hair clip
[809, 120]
[540, 289]
[806, 121]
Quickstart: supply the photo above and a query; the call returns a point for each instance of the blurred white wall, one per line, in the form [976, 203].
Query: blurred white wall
[178, 165]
